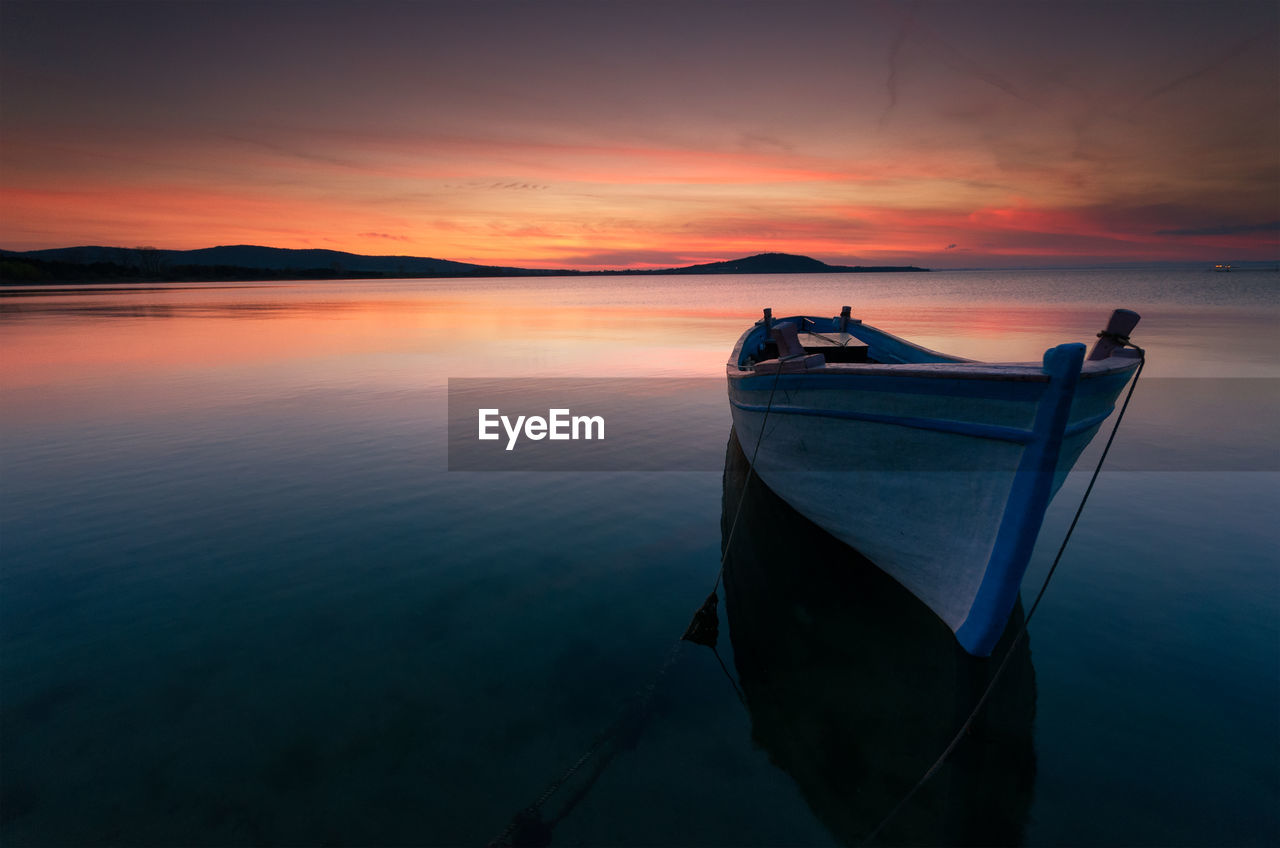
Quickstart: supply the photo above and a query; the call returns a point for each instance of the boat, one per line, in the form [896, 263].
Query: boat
[853, 686]
[937, 468]
[1222, 267]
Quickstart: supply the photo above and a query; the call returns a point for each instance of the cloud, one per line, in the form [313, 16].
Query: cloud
[383, 236]
[1214, 64]
[522, 231]
[1224, 230]
[895, 48]
[951, 246]
[759, 143]
[946, 52]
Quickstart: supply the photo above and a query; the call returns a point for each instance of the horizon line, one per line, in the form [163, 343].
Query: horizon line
[1130, 264]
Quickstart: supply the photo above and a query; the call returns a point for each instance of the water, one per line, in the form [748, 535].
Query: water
[244, 601]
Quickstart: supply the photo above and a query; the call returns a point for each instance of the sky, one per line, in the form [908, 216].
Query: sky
[627, 134]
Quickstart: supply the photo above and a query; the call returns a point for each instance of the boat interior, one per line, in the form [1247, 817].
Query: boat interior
[804, 343]
[842, 348]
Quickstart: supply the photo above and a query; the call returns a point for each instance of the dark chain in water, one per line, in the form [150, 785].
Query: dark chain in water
[1022, 631]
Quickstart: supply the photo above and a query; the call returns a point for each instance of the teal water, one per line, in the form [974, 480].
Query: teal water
[244, 601]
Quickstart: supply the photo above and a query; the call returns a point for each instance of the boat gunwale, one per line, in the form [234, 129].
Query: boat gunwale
[955, 368]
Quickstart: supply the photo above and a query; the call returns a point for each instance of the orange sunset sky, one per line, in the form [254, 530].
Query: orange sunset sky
[614, 134]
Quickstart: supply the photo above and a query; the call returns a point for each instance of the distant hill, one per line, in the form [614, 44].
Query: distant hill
[253, 257]
[252, 262]
[782, 263]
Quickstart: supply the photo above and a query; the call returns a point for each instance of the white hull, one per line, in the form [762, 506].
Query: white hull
[937, 471]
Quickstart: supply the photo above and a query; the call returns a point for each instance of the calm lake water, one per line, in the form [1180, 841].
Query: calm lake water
[243, 599]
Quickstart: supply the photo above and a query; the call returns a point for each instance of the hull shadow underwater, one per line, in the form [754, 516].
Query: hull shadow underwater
[854, 687]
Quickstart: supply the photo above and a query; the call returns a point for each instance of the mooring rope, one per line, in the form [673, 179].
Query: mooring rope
[737, 690]
[1022, 631]
[527, 826]
[751, 467]
[705, 626]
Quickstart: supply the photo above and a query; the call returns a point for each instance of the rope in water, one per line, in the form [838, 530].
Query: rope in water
[527, 826]
[751, 467]
[1022, 631]
[705, 625]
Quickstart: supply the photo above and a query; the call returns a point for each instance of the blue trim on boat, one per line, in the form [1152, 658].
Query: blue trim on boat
[984, 386]
[1024, 511]
[1078, 427]
[962, 428]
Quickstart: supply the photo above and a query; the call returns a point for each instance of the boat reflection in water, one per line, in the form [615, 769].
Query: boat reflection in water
[855, 687]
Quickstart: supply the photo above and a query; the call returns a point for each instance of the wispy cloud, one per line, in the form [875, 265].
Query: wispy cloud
[895, 50]
[1224, 230]
[1216, 63]
[384, 236]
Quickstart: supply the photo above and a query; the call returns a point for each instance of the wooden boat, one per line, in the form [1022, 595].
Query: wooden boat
[936, 468]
